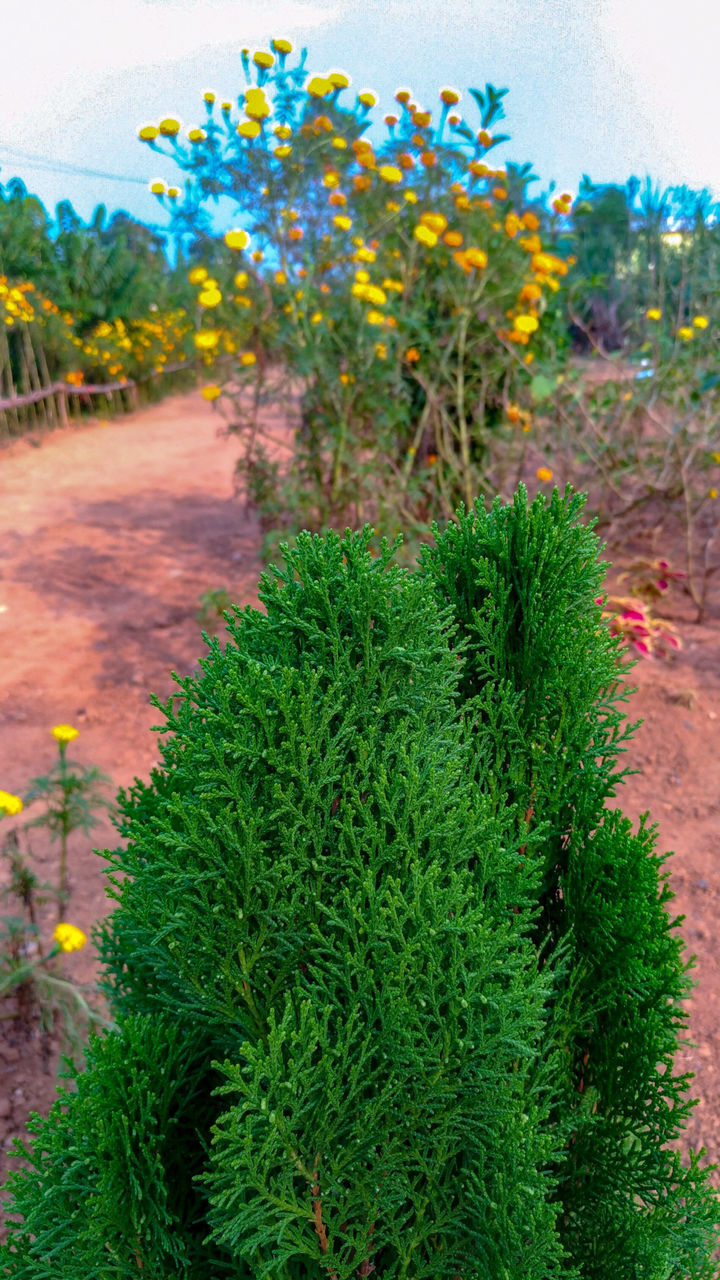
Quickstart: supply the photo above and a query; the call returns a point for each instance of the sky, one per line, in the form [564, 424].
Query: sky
[607, 88]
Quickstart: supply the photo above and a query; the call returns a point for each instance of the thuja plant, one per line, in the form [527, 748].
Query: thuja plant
[390, 987]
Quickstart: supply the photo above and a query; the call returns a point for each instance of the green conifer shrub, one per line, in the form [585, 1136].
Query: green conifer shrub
[373, 922]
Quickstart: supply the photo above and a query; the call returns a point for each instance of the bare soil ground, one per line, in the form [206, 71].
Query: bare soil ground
[109, 532]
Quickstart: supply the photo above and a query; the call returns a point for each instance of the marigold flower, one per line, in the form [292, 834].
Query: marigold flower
[402, 95]
[476, 257]
[654, 313]
[263, 59]
[390, 173]
[700, 322]
[685, 333]
[526, 323]
[210, 393]
[157, 188]
[712, 493]
[449, 97]
[412, 355]
[512, 225]
[256, 104]
[339, 80]
[453, 239]
[425, 235]
[206, 339]
[210, 297]
[257, 255]
[64, 733]
[544, 474]
[367, 98]
[240, 280]
[365, 255]
[196, 135]
[148, 133]
[248, 357]
[281, 46]
[69, 937]
[437, 222]
[209, 97]
[295, 233]
[316, 317]
[500, 193]
[169, 127]
[513, 413]
[248, 129]
[530, 292]
[362, 182]
[530, 221]
[375, 317]
[237, 238]
[280, 277]
[381, 350]
[282, 152]
[9, 803]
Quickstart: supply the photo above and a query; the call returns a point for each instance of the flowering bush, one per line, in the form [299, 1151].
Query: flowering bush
[402, 286]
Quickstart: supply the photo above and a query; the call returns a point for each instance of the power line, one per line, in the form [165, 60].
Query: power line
[48, 165]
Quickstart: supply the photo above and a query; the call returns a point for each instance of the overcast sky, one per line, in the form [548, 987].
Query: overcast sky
[604, 87]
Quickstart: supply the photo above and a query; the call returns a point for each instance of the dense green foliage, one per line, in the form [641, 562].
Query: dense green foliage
[393, 990]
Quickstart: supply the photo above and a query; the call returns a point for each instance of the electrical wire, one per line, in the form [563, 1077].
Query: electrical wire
[48, 165]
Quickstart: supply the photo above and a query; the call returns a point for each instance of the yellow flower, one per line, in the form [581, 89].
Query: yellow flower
[9, 803]
[257, 255]
[69, 937]
[344, 223]
[256, 104]
[685, 333]
[390, 173]
[654, 313]
[367, 98]
[365, 255]
[381, 350]
[339, 80]
[196, 135]
[526, 323]
[206, 339]
[148, 133]
[157, 188]
[240, 280]
[712, 493]
[210, 297]
[248, 357]
[282, 153]
[700, 322]
[64, 733]
[362, 276]
[437, 222]
[375, 317]
[237, 239]
[410, 196]
[209, 97]
[263, 59]
[425, 235]
[280, 277]
[169, 127]
[544, 474]
[449, 96]
[316, 317]
[281, 46]
[210, 393]
[282, 131]
[319, 86]
[248, 129]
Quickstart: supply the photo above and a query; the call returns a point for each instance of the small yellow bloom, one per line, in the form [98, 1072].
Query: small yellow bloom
[526, 323]
[339, 80]
[544, 474]
[157, 188]
[700, 322]
[69, 937]
[248, 357]
[282, 131]
[367, 98]
[197, 275]
[196, 135]
[437, 222]
[390, 173]
[365, 255]
[449, 96]
[248, 129]
[241, 279]
[375, 317]
[209, 97]
[425, 235]
[316, 317]
[410, 196]
[9, 803]
[210, 393]
[381, 350]
[256, 104]
[257, 255]
[339, 144]
[206, 339]
[148, 133]
[685, 333]
[281, 46]
[210, 297]
[263, 59]
[64, 733]
[282, 153]
[237, 239]
[712, 493]
[654, 313]
[319, 86]
[169, 127]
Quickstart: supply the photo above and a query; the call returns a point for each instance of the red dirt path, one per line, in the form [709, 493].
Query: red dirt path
[109, 532]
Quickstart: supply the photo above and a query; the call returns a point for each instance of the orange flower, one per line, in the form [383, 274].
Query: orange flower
[544, 474]
[412, 355]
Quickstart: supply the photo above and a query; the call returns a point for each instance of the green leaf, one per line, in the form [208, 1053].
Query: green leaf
[541, 387]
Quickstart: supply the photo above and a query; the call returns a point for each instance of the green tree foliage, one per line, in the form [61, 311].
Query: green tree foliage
[373, 920]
